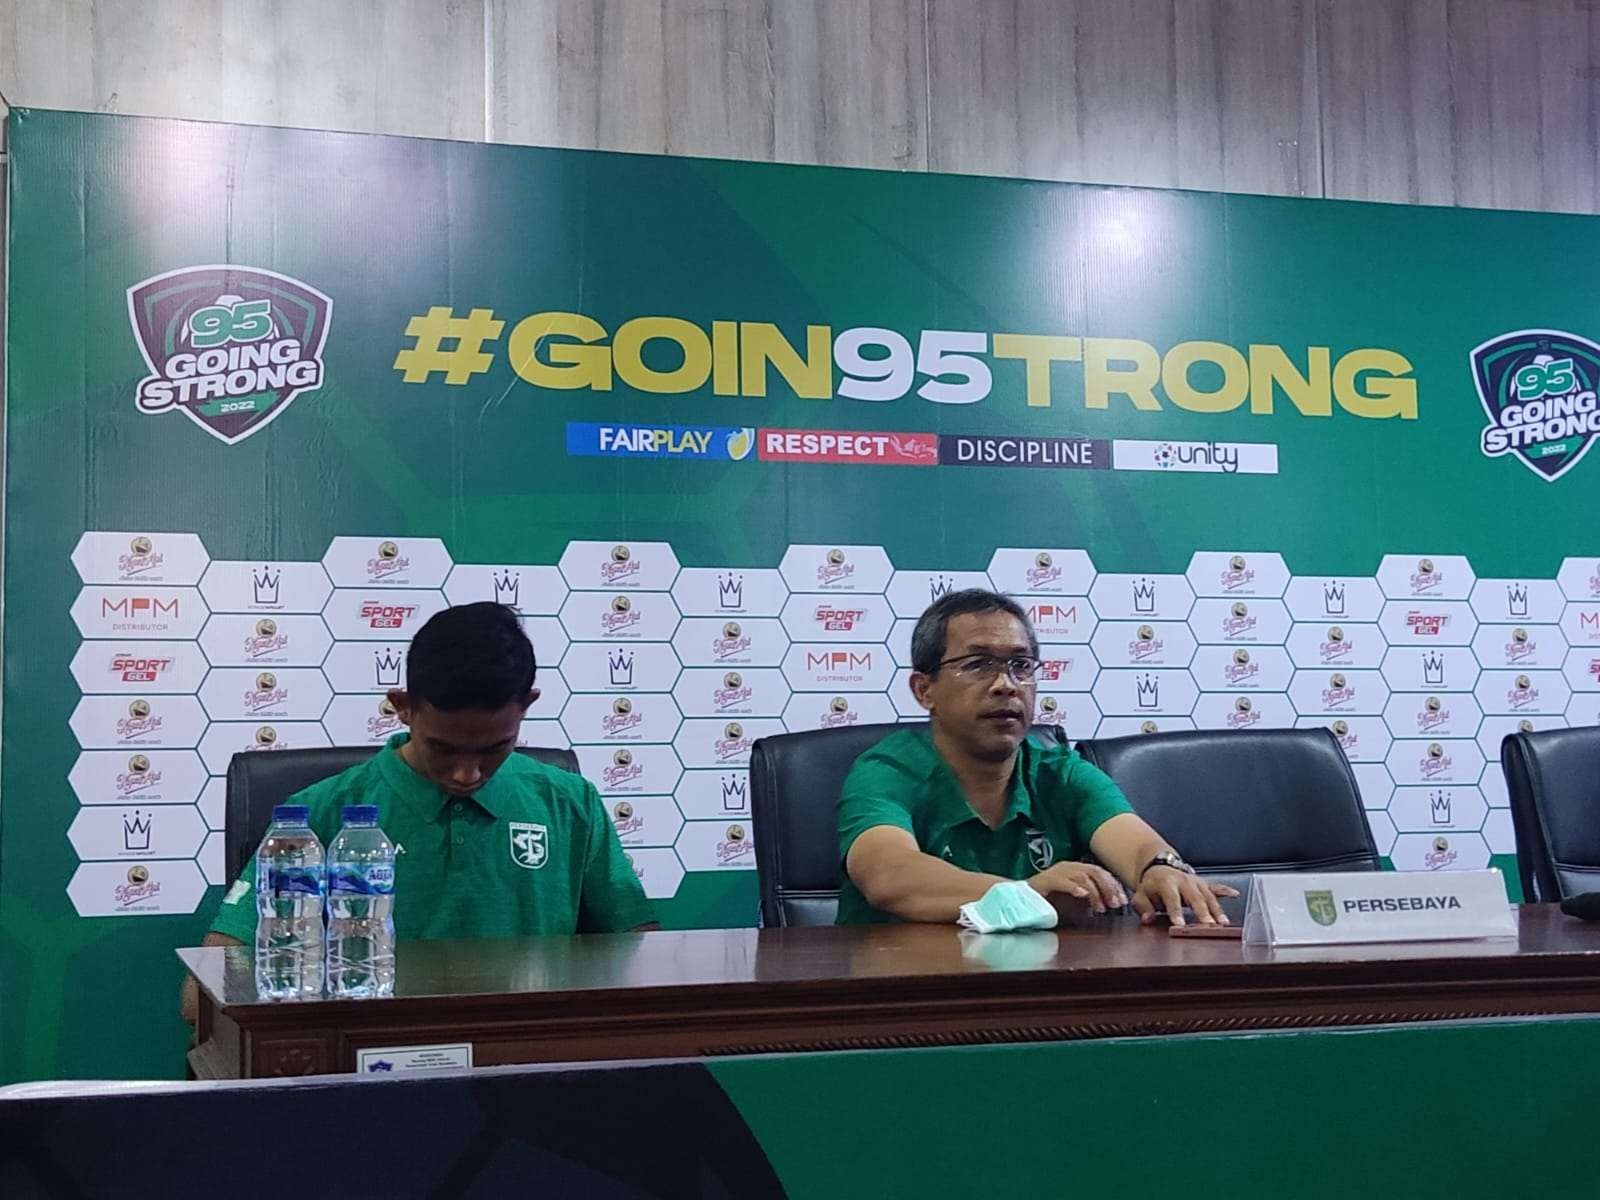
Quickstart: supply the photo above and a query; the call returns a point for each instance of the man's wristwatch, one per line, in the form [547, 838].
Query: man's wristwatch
[1167, 858]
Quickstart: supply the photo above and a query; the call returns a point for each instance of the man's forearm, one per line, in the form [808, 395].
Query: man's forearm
[920, 887]
[1125, 844]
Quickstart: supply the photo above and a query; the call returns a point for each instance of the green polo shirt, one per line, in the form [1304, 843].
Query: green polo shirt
[1057, 802]
[478, 867]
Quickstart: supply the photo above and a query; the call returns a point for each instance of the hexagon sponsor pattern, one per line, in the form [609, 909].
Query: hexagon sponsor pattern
[1231, 574]
[663, 676]
[139, 558]
[1059, 619]
[397, 562]
[528, 590]
[714, 795]
[1044, 572]
[265, 587]
[237, 640]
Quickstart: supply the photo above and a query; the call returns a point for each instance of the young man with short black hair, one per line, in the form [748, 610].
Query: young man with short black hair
[931, 820]
[490, 843]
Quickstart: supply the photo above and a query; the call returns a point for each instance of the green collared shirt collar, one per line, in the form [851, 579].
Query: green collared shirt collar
[951, 802]
[424, 795]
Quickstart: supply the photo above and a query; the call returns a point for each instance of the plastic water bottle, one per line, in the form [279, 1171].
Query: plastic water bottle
[289, 888]
[361, 906]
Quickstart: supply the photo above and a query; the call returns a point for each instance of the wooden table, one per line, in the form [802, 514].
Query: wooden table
[743, 991]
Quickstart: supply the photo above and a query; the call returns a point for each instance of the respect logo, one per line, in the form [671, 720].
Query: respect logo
[229, 346]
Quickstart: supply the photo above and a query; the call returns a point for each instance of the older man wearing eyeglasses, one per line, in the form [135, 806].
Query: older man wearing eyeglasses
[931, 820]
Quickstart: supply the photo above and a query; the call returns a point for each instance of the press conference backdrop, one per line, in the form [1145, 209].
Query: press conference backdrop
[719, 432]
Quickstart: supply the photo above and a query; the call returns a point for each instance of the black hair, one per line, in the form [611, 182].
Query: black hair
[928, 638]
[472, 656]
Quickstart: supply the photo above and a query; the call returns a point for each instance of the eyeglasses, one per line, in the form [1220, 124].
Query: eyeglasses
[983, 668]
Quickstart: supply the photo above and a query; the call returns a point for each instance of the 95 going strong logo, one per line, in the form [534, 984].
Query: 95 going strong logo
[1538, 389]
[229, 346]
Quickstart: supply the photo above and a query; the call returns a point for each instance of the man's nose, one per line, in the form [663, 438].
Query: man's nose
[466, 775]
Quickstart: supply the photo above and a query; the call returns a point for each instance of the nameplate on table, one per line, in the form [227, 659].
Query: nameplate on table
[394, 1060]
[1376, 906]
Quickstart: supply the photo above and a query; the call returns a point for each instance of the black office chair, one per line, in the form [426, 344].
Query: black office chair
[1234, 804]
[259, 780]
[795, 781]
[1553, 778]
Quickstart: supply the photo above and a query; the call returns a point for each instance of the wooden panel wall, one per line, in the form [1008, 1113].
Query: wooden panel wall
[1492, 103]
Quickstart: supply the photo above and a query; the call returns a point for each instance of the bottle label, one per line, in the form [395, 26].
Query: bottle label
[368, 879]
[292, 880]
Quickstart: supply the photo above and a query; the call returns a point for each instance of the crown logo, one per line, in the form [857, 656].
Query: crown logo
[730, 590]
[735, 793]
[507, 585]
[265, 582]
[1433, 667]
[1147, 690]
[1144, 596]
[386, 667]
[1333, 598]
[136, 831]
[1517, 599]
[1439, 807]
[939, 586]
[620, 664]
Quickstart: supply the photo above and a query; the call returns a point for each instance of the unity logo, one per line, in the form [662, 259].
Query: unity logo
[229, 346]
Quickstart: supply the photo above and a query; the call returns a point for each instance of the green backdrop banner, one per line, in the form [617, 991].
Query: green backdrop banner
[720, 432]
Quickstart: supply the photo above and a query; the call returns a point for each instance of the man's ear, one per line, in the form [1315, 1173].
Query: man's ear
[921, 687]
[527, 701]
[401, 699]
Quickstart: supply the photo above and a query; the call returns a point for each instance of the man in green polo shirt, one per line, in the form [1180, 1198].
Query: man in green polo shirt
[930, 820]
[488, 843]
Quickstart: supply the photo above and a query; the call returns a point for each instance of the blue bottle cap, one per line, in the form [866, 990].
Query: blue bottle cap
[360, 814]
[290, 814]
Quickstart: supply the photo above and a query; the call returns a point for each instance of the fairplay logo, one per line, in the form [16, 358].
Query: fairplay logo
[229, 346]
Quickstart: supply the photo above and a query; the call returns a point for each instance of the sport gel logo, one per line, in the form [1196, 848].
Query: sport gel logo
[229, 346]
[1538, 388]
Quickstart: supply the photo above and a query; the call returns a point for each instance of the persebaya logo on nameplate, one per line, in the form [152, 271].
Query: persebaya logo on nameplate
[530, 845]
[1322, 908]
[1377, 906]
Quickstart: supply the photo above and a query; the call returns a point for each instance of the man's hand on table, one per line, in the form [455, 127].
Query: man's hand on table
[1095, 886]
[1169, 890]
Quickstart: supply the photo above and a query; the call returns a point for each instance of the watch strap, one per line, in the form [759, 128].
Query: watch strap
[1167, 858]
